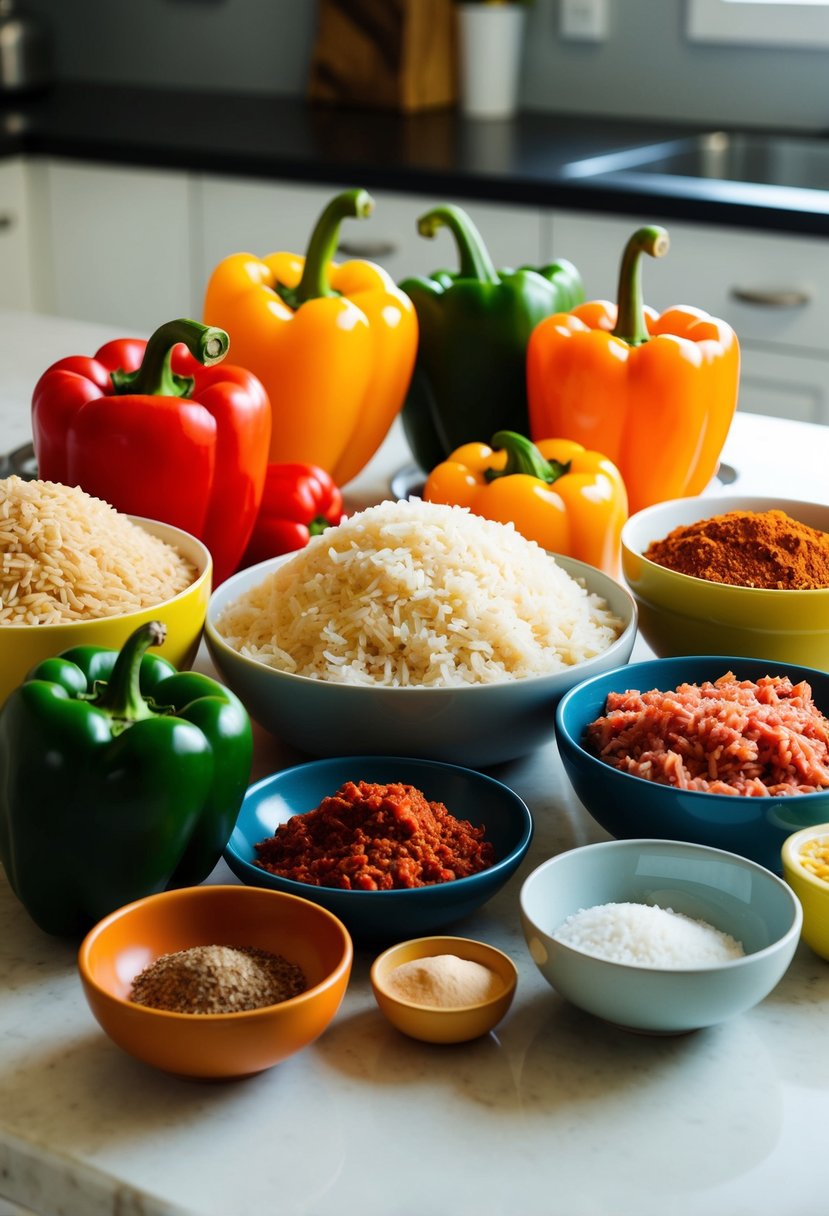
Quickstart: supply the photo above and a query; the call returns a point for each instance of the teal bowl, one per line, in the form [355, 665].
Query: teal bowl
[398, 914]
[729, 892]
[628, 806]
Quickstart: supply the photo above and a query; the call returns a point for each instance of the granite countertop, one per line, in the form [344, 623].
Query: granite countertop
[524, 160]
[555, 1114]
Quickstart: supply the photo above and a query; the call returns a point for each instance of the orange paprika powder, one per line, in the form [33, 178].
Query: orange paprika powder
[748, 549]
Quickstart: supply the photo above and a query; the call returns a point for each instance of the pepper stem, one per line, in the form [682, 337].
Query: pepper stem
[630, 318]
[475, 262]
[524, 457]
[121, 695]
[314, 284]
[318, 525]
[155, 377]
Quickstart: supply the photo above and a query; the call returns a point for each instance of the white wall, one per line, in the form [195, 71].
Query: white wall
[649, 68]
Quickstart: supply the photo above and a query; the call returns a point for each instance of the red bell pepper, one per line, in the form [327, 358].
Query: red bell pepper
[299, 501]
[158, 429]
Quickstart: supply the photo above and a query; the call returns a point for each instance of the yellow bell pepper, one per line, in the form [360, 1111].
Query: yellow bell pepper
[565, 498]
[333, 344]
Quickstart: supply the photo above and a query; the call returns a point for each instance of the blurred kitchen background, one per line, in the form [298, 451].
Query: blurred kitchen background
[645, 66]
[166, 134]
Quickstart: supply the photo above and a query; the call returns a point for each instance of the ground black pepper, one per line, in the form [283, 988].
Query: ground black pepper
[217, 979]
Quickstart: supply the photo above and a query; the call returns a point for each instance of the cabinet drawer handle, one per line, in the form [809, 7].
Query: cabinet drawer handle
[6, 220]
[785, 297]
[367, 249]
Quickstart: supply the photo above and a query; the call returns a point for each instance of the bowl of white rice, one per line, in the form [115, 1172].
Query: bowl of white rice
[76, 572]
[416, 629]
[659, 936]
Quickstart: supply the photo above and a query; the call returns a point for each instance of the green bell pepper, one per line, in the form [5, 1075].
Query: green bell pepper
[470, 374]
[121, 777]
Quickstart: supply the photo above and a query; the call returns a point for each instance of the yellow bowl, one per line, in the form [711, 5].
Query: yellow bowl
[437, 1025]
[22, 646]
[812, 892]
[679, 614]
[215, 1045]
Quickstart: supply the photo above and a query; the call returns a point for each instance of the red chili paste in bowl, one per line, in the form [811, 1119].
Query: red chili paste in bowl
[371, 837]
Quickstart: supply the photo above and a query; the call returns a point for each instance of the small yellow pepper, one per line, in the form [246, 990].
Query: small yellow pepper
[565, 498]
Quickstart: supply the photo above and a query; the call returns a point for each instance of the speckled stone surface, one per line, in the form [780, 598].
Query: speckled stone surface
[554, 1114]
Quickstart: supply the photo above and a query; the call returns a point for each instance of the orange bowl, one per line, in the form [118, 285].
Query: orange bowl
[217, 1044]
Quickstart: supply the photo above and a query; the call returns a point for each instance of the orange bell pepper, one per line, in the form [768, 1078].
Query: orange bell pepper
[333, 344]
[656, 393]
[565, 498]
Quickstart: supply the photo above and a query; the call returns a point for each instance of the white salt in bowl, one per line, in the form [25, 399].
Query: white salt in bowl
[736, 896]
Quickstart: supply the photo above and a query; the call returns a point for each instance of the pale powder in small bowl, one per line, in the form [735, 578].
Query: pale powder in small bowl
[444, 981]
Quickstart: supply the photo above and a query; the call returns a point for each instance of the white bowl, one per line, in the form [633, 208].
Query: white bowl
[733, 894]
[474, 725]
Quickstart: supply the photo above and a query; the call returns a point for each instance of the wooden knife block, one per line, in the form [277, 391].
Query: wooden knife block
[388, 54]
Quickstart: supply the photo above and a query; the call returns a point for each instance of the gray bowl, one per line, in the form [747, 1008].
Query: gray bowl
[475, 725]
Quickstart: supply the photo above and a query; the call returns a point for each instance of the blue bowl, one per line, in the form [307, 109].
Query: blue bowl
[385, 915]
[627, 806]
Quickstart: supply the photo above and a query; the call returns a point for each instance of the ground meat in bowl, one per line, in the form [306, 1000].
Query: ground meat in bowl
[727, 737]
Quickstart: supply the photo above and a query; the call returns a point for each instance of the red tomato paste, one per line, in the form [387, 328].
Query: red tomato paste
[370, 837]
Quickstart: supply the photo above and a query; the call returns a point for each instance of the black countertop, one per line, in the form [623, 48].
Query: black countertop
[524, 160]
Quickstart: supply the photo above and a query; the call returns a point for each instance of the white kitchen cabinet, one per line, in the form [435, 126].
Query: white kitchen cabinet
[233, 215]
[784, 385]
[772, 288]
[15, 235]
[117, 245]
[135, 247]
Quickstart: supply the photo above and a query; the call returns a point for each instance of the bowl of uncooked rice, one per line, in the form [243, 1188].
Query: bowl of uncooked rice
[74, 571]
[416, 628]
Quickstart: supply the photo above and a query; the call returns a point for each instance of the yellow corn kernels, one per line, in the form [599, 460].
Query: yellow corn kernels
[814, 857]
